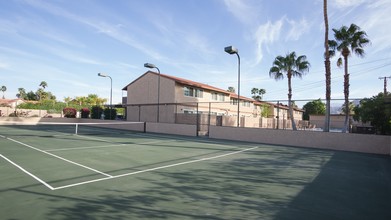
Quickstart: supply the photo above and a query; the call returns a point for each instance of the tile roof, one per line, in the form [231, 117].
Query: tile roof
[183, 82]
[208, 87]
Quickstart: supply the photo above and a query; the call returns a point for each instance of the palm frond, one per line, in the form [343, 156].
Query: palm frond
[339, 62]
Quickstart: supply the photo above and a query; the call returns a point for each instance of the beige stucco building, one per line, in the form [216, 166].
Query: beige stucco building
[181, 99]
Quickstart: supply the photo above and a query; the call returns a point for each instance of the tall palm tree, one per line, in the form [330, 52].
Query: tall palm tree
[21, 93]
[231, 89]
[67, 100]
[327, 67]
[293, 66]
[43, 84]
[258, 93]
[348, 40]
[3, 89]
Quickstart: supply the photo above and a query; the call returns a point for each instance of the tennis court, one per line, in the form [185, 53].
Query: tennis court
[49, 172]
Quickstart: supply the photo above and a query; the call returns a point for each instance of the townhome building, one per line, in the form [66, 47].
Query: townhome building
[154, 97]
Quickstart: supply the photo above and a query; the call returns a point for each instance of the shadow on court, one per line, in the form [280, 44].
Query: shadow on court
[275, 183]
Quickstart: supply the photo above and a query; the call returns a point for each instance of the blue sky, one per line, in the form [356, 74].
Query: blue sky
[67, 42]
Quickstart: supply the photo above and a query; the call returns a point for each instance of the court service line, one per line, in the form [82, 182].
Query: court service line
[153, 169]
[83, 148]
[103, 146]
[27, 172]
[91, 138]
[61, 158]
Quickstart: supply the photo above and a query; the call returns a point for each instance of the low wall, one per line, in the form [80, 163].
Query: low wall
[6, 111]
[375, 144]
[165, 128]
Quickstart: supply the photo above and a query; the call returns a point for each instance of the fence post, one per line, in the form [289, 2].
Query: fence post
[139, 112]
[278, 114]
[210, 107]
[198, 121]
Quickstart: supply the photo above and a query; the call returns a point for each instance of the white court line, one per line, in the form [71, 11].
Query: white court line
[61, 158]
[27, 172]
[104, 146]
[83, 148]
[153, 169]
[91, 138]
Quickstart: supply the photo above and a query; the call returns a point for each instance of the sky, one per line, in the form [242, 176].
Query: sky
[67, 42]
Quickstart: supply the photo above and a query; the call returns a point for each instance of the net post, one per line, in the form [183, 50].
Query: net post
[145, 127]
[76, 128]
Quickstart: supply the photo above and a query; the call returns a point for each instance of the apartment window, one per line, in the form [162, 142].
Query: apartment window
[214, 96]
[188, 91]
[221, 97]
[234, 101]
[199, 93]
[246, 103]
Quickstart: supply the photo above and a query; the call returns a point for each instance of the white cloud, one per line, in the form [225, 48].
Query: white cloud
[265, 34]
[298, 28]
[3, 65]
[375, 23]
[246, 11]
[347, 3]
[111, 30]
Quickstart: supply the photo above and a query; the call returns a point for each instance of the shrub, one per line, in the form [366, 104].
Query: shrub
[85, 113]
[96, 112]
[113, 114]
[69, 112]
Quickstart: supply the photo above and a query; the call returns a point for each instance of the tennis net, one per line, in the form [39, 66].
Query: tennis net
[54, 128]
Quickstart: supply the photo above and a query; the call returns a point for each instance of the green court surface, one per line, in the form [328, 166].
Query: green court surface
[51, 173]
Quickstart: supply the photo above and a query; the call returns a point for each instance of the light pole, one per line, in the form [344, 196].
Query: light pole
[233, 50]
[152, 66]
[111, 90]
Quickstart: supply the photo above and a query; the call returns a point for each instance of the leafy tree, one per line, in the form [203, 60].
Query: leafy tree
[293, 66]
[257, 93]
[316, 107]
[231, 89]
[3, 89]
[350, 108]
[265, 111]
[67, 100]
[348, 40]
[376, 111]
[31, 96]
[93, 99]
[327, 67]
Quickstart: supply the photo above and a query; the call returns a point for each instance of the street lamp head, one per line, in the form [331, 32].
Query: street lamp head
[102, 75]
[231, 50]
[149, 65]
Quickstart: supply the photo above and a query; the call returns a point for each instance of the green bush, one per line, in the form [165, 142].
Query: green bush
[85, 113]
[69, 112]
[96, 112]
[113, 114]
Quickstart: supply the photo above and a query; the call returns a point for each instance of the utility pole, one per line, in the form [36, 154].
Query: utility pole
[385, 83]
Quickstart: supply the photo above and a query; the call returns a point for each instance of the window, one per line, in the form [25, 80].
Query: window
[214, 96]
[221, 97]
[199, 93]
[188, 91]
[246, 103]
[234, 101]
